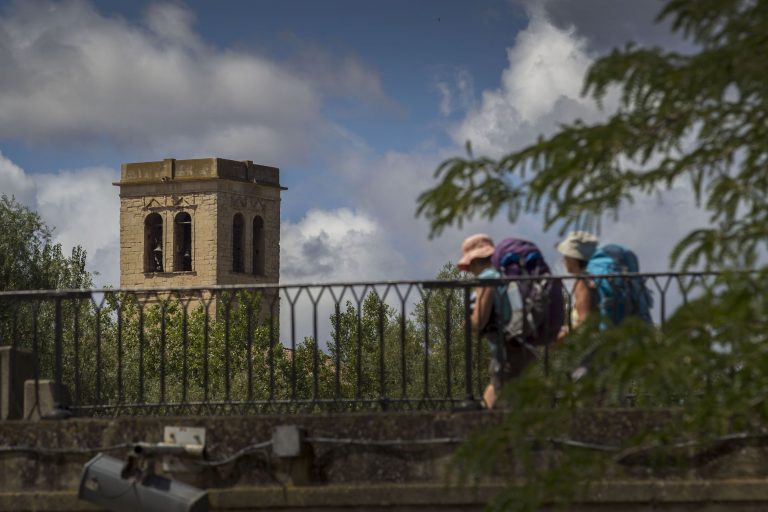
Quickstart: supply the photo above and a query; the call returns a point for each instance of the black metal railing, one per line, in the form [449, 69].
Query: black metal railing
[258, 349]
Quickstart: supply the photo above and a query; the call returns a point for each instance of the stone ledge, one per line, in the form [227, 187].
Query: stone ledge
[699, 493]
[43, 501]
[705, 495]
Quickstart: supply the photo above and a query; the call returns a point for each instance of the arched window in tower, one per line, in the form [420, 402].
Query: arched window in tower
[153, 243]
[258, 246]
[238, 232]
[182, 242]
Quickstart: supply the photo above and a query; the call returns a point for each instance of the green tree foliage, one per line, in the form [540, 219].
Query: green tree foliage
[419, 355]
[440, 317]
[29, 260]
[185, 350]
[697, 117]
[364, 344]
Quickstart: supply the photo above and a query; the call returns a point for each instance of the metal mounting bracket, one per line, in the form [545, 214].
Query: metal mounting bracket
[182, 436]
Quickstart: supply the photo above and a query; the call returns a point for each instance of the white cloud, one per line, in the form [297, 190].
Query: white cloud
[336, 245]
[172, 23]
[389, 187]
[654, 224]
[539, 90]
[84, 207]
[15, 182]
[71, 74]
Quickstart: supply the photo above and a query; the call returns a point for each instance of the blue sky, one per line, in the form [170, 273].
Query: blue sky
[356, 101]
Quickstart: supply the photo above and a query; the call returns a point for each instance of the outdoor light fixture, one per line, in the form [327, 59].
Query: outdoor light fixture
[120, 486]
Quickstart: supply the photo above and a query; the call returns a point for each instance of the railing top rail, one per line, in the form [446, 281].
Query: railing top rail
[463, 283]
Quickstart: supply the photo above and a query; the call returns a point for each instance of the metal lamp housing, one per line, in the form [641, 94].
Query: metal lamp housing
[101, 484]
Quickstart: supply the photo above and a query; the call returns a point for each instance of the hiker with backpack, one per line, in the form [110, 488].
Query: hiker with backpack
[516, 316]
[577, 249]
[490, 307]
[605, 284]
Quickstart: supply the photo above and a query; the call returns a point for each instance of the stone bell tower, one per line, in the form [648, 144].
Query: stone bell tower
[199, 222]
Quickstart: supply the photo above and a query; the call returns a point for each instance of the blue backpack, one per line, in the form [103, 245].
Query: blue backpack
[623, 295]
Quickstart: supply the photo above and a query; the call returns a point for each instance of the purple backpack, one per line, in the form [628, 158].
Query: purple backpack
[542, 299]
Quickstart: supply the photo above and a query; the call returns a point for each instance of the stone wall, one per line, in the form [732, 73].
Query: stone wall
[365, 477]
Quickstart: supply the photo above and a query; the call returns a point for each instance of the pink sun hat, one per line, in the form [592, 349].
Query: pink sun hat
[476, 246]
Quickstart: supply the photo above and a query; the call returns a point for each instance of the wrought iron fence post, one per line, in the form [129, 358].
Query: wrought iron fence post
[58, 348]
[468, 346]
[59, 405]
[448, 372]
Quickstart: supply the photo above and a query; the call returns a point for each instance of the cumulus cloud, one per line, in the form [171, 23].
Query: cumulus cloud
[71, 74]
[654, 224]
[84, 207]
[389, 187]
[14, 182]
[539, 90]
[80, 205]
[336, 245]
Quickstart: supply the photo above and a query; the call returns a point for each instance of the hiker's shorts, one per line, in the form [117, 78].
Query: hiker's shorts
[507, 363]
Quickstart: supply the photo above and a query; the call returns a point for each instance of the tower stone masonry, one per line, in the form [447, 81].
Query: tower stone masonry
[199, 222]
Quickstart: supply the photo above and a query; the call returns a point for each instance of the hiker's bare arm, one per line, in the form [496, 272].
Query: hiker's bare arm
[483, 305]
[582, 302]
[582, 299]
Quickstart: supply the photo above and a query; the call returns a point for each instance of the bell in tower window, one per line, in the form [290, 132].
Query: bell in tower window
[153, 243]
[182, 228]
